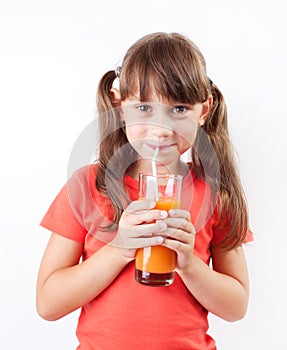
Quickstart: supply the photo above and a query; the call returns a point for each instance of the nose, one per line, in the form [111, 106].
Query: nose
[161, 126]
[161, 131]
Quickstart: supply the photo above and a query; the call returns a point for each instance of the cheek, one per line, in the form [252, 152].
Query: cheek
[135, 132]
[186, 135]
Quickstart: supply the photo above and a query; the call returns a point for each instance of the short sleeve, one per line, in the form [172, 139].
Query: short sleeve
[61, 219]
[219, 233]
[249, 236]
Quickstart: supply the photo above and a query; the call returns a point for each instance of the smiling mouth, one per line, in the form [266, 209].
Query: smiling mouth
[162, 148]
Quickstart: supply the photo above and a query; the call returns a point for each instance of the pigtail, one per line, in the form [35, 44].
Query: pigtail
[113, 150]
[104, 101]
[221, 172]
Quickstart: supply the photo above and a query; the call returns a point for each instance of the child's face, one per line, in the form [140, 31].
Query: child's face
[162, 123]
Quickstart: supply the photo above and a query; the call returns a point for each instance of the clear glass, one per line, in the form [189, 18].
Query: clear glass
[155, 265]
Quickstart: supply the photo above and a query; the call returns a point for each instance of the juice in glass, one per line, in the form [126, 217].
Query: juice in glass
[155, 265]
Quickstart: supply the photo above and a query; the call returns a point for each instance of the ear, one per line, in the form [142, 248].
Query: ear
[206, 108]
[115, 97]
[116, 101]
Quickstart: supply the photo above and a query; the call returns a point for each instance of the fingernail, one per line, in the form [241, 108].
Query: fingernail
[162, 225]
[172, 212]
[151, 204]
[163, 213]
[159, 239]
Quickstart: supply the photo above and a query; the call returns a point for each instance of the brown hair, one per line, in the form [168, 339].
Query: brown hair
[177, 70]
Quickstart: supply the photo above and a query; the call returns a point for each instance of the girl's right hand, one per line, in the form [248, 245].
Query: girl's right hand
[140, 226]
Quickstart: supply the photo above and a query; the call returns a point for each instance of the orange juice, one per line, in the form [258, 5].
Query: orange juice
[155, 265]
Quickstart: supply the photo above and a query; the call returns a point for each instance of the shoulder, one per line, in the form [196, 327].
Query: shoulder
[88, 171]
[81, 185]
[84, 176]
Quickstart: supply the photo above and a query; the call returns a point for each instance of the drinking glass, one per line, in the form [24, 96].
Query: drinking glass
[155, 265]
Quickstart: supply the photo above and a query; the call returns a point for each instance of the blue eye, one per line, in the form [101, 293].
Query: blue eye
[144, 108]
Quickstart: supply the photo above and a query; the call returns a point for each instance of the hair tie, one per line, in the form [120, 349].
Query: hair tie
[118, 71]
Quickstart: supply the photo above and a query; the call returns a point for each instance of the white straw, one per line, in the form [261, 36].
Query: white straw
[153, 164]
[154, 173]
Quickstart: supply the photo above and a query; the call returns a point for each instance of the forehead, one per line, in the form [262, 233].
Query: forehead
[151, 96]
[151, 93]
[146, 86]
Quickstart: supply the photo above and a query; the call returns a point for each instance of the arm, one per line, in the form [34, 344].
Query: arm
[64, 284]
[222, 290]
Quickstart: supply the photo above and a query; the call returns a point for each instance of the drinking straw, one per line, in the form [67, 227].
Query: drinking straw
[154, 173]
[153, 164]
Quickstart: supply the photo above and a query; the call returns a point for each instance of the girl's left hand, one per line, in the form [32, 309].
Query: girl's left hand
[180, 235]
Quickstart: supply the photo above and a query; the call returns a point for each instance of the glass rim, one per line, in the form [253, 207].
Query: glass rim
[161, 175]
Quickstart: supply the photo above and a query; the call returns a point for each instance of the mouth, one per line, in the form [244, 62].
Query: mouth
[162, 148]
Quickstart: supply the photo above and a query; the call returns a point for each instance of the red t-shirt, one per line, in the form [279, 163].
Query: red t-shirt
[128, 315]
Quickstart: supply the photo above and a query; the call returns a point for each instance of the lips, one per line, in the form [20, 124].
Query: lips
[162, 148]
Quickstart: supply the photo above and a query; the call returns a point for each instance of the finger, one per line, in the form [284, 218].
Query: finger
[139, 205]
[147, 229]
[136, 243]
[142, 242]
[178, 235]
[149, 216]
[148, 241]
[178, 246]
[140, 211]
[179, 213]
[181, 223]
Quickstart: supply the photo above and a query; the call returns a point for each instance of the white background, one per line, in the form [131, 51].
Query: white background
[52, 55]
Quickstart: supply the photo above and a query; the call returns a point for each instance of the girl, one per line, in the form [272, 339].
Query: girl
[166, 101]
